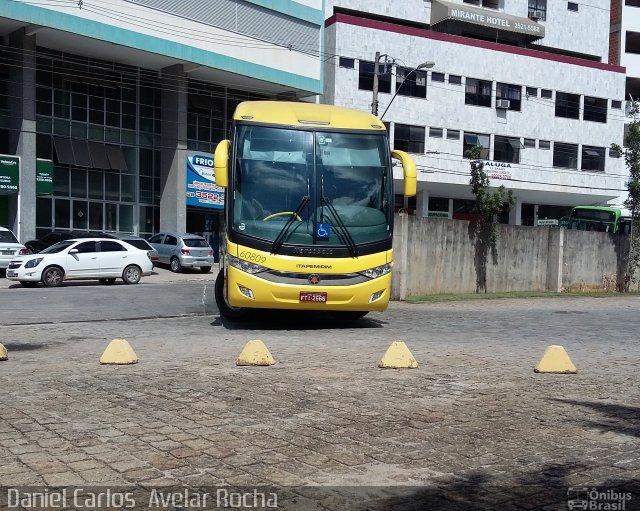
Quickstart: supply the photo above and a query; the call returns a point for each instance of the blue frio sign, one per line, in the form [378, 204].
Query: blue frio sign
[201, 183]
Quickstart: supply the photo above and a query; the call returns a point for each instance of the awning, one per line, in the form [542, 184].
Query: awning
[443, 12]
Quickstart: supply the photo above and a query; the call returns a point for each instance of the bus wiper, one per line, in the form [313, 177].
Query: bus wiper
[342, 229]
[343, 232]
[284, 232]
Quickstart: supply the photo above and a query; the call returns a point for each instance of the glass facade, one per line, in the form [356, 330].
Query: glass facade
[100, 123]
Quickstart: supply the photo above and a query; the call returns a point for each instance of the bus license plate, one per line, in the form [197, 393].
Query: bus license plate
[306, 296]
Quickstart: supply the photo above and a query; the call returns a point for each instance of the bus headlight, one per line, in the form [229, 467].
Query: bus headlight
[245, 266]
[378, 271]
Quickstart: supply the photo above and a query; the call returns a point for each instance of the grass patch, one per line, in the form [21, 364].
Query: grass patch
[449, 297]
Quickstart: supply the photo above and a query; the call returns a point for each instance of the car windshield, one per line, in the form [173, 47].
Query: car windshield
[328, 188]
[58, 247]
[195, 242]
[7, 237]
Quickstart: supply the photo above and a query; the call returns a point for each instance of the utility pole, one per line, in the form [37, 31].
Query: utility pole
[376, 72]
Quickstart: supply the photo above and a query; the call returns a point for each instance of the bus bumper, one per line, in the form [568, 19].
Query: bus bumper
[372, 295]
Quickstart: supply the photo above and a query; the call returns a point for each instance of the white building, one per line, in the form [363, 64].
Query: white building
[529, 80]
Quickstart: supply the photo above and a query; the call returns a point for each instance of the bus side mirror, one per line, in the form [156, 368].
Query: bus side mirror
[410, 175]
[221, 163]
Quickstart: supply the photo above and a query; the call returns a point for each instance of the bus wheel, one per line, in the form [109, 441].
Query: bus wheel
[346, 315]
[226, 310]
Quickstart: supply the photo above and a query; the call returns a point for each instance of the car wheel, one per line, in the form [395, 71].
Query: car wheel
[205, 269]
[53, 276]
[107, 282]
[175, 265]
[131, 274]
[226, 310]
[346, 315]
[28, 283]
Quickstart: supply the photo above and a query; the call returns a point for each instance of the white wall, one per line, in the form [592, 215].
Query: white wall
[585, 31]
[631, 23]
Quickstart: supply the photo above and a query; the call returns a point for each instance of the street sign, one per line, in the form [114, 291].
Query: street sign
[549, 221]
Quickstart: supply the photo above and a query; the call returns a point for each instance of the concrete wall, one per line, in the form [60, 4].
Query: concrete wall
[434, 255]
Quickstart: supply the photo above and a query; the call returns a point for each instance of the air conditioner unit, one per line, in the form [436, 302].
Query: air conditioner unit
[536, 15]
[503, 103]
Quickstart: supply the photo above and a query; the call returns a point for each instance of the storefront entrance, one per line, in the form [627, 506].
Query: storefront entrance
[208, 224]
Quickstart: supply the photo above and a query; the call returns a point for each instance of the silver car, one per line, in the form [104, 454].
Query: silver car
[183, 250]
[10, 247]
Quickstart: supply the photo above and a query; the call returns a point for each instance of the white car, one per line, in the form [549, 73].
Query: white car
[10, 247]
[87, 258]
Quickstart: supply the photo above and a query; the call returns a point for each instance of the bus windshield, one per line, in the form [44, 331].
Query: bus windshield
[311, 187]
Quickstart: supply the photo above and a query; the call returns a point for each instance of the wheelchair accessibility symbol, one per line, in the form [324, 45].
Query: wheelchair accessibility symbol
[323, 230]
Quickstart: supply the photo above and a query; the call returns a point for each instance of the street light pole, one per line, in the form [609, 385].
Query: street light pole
[424, 65]
[376, 71]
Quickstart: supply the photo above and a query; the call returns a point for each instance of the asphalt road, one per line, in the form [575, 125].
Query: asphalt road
[160, 295]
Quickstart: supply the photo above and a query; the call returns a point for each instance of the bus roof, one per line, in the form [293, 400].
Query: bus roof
[306, 114]
[600, 208]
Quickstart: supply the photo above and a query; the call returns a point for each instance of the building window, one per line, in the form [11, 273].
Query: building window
[472, 140]
[565, 155]
[409, 138]
[538, 9]
[510, 93]
[506, 149]
[632, 42]
[530, 143]
[593, 158]
[614, 153]
[438, 207]
[567, 105]
[546, 94]
[437, 77]
[453, 134]
[411, 83]
[477, 92]
[365, 77]
[532, 92]
[616, 104]
[435, 132]
[489, 4]
[455, 80]
[595, 109]
[544, 144]
[572, 6]
[347, 62]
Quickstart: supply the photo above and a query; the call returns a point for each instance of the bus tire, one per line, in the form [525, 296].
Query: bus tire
[346, 315]
[226, 310]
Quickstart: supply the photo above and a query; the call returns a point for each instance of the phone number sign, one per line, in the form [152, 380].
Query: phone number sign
[201, 183]
[9, 173]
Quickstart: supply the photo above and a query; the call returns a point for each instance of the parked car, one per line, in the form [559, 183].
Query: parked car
[36, 246]
[183, 250]
[9, 247]
[87, 258]
[142, 244]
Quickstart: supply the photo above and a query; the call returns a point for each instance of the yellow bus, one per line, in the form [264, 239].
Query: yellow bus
[308, 210]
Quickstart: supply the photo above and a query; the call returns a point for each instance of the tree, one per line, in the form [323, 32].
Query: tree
[631, 155]
[488, 205]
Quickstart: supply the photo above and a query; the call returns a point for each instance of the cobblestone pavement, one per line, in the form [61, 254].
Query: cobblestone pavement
[471, 428]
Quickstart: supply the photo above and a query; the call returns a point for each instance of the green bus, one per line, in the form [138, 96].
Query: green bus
[597, 218]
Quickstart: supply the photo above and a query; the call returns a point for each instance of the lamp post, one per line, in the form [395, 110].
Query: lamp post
[424, 65]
